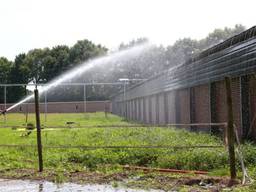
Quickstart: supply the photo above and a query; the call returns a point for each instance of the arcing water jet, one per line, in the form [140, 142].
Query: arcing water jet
[82, 68]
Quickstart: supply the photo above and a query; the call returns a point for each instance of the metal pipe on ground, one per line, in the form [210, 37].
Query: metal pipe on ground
[148, 169]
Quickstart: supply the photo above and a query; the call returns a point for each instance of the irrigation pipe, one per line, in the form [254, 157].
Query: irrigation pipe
[147, 169]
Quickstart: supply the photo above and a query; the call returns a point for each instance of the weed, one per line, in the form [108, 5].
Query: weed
[80, 159]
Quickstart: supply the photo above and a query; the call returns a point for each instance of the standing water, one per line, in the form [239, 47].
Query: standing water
[45, 186]
[82, 68]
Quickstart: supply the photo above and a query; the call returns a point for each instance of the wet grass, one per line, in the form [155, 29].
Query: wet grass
[204, 159]
[108, 161]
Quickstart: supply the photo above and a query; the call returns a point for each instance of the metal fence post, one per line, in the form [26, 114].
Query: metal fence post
[4, 103]
[105, 109]
[26, 118]
[45, 106]
[166, 108]
[124, 103]
[84, 98]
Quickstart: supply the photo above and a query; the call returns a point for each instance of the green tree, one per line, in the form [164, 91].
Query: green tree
[84, 50]
[220, 35]
[184, 49]
[5, 68]
[19, 73]
[56, 62]
[62, 59]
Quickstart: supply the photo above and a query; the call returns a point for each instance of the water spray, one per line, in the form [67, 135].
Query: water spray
[80, 69]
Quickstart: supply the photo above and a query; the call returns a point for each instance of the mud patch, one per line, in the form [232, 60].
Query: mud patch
[166, 182]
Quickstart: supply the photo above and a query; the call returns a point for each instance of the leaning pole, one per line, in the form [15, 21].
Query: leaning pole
[230, 129]
[38, 128]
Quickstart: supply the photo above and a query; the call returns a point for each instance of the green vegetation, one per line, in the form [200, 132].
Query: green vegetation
[59, 162]
[205, 159]
[198, 159]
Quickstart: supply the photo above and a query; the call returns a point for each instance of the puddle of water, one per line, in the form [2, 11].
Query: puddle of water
[7, 185]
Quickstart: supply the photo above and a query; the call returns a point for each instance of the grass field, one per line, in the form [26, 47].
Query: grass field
[83, 159]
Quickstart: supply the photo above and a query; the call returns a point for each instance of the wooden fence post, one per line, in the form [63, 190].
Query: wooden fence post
[38, 128]
[230, 130]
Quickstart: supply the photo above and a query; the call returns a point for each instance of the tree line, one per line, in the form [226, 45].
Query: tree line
[47, 63]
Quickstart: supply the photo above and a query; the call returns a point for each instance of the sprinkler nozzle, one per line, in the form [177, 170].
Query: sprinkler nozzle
[2, 112]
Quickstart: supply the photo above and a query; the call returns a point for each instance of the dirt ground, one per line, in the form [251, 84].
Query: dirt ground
[165, 182]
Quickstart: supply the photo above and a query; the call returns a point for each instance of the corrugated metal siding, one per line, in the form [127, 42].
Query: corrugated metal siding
[234, 61]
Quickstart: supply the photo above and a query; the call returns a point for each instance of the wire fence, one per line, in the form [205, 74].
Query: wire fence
[158, 149]
[46, 104]
[138, 126]
[163, 149]
[117, 126]
[224, 125]
[113, 147]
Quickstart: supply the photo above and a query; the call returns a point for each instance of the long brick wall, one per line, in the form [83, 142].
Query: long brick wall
[63, 107]
[204, 103]
[252, 106]
[201, 106]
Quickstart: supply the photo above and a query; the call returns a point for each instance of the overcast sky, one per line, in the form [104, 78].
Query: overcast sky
[28, 24]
